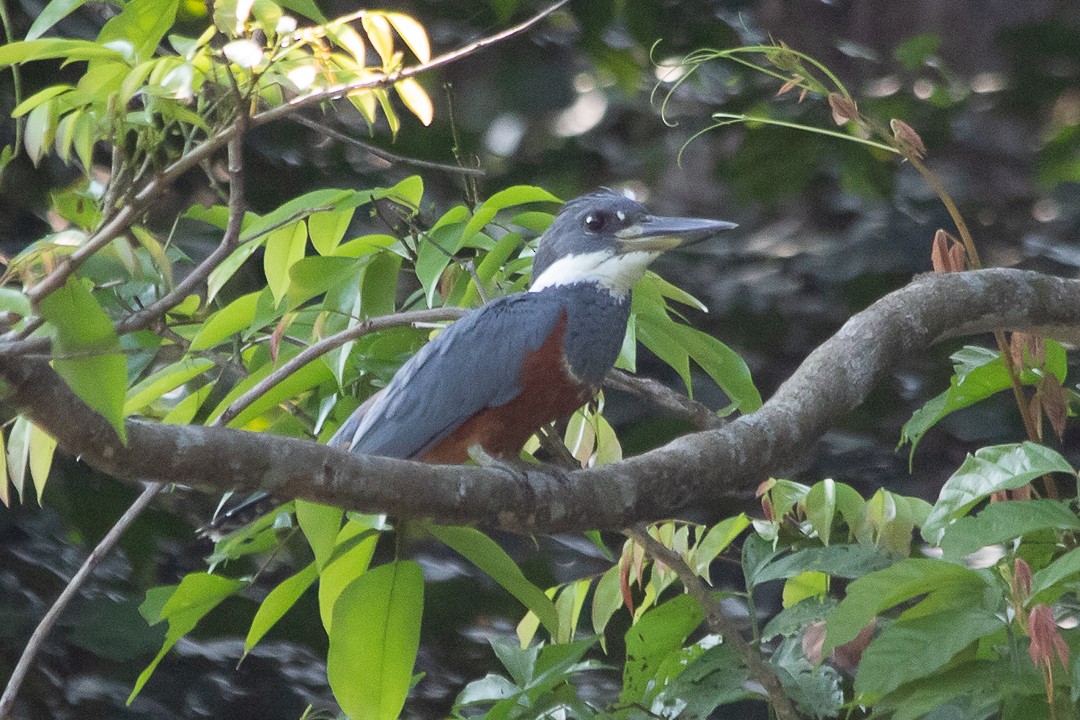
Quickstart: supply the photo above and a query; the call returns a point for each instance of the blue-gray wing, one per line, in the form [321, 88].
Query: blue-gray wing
[473, 365]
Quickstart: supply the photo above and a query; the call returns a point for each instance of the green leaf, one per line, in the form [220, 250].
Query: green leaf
[374, 640]
[978, 373]
[965, 690]
[486, 554]
[283, 248]
[142, 24]
[716, 540]
[568, 605]
[664, 289]
[321, 525]
[39, 131]
[352, 554]
[51, 14]
[52, 48]
[934, 639]
[328, 228]
[223, 272]
[873, 593]
[660, 632]
[196, 595]
[5, 493]
[226, 322]
[607, 599]
[18, 453]
[412, 33]
[1004, 521]
[656, 333]
[845, 561]
[164, 380]
[86, 349]
[277, 602]
[723, 365]
[42, 446]
[414, 97]
[990, 469]
[716, 678]
[39, 98]
[1047, 579]
[307, 8]
[310, 375]
[510, 197]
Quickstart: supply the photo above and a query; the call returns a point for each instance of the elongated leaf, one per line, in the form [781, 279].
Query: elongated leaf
[321, 525]
[999, 467]
[510, 197]
[486, 554]
[196, 595]
[353, 550]
[378, 31]
[164, 380]
[416, 99]
[716, 540]
[51, 14]
[277, 602]
[283, 248]
[18, 453]
[39, 98]
[845, 561]
[50, 48]
[412, 33]
[1044, 583]
[886, 663]
[5, 492]
[223, 272]
[723, 365]
[42, 447]
[143, 24]
[314, 373]
[328, 228]
[607, 599]
[1001, 522]
[878, 591]
[374, 640]
[660, 632]
[226, 322]
[86, 349]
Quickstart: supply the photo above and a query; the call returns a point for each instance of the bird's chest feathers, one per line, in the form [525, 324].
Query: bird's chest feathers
[591, 328]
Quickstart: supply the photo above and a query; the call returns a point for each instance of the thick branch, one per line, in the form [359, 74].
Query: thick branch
[703, 469]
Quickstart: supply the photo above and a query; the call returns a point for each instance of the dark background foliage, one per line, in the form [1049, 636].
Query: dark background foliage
[826, 228]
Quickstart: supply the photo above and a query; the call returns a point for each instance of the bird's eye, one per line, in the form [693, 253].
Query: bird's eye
[595, 222]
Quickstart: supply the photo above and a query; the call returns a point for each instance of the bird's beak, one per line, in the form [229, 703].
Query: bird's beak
[657, 234]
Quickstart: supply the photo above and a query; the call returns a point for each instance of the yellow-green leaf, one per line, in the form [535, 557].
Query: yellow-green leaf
[413, 34]
[416, 99]
[42, 446]
[378, 31]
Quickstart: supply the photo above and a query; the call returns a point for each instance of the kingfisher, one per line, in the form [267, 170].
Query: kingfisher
[499, 374]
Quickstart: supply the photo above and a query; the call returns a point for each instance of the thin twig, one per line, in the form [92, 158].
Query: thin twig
[664, 397]
[384, 154]
[717, 621]
[229, 241]
[140, 200]
[333, 342]
[68, 594]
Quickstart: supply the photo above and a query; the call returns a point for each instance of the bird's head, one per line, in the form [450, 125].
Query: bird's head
[608, 239]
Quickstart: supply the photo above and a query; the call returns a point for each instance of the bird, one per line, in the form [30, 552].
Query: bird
[496, 376]
[503, 371]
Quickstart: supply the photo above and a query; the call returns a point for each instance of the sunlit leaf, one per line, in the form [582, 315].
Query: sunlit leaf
[374, 640]
[358, 540]
[321, 525]
[18, 453]
[228, 321]
[413, 34]
[486, 554]
[86, 350]
[378, 31]
[416, 99]
[42, 447]
[277, 602]
[283, 248]
[164, 380]
[196, 595]
[990, 469]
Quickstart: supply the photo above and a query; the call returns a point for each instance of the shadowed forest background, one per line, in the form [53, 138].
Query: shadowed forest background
[826, 227]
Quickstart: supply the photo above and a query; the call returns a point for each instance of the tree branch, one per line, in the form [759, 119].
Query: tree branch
[313, 352]
[230, 239]
[718, 622]
[705, 469]
[665, 398]
[128, 214]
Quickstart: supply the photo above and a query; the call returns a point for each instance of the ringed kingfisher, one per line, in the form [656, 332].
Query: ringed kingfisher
[503, 371]
[499, 374]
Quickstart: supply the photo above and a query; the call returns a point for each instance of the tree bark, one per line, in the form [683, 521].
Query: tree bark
[703, 469]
